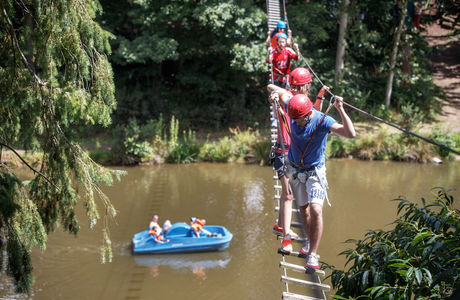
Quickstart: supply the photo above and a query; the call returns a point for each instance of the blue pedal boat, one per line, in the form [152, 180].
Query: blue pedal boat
[180, 238]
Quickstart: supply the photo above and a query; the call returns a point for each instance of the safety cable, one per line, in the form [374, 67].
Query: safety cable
[379, 119]
[285, 15]
[403, 129]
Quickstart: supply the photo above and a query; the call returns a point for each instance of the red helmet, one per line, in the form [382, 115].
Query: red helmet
[299, 106]
[300, 76]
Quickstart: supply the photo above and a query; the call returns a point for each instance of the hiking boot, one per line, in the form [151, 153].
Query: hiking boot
[286, 244]
[312, 261]
[306, 248]
[277, 230]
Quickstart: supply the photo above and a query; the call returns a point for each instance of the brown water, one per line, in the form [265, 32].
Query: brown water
[239, 197]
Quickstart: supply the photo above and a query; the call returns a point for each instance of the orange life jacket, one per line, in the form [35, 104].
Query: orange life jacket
[198, 225]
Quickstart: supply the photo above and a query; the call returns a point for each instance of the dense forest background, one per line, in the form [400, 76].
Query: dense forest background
[203, 61]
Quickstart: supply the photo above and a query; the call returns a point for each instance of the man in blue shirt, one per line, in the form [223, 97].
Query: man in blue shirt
[306, 166]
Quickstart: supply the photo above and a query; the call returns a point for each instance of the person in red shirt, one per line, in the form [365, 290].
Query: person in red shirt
[280, 58]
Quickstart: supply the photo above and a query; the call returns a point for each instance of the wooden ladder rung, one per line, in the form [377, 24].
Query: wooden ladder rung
[299, 240]
[296, 210]
[277, 187]
[291, 296]
[299, 268]
[293, 253]
[310, 284]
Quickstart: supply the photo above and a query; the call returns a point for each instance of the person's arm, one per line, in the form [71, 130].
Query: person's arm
[268, 41]
[319, 98]
[289, 39]
[269, 57]
[297, 52]
[346, 129]
[282, 94]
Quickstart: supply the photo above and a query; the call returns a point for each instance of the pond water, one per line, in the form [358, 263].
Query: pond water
[239, 197]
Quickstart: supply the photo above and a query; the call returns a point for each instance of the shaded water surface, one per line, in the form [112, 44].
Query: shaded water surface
[239, 197]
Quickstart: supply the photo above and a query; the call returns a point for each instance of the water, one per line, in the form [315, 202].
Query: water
[239, 197]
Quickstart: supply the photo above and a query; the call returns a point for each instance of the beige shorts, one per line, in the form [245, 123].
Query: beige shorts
[308, 187]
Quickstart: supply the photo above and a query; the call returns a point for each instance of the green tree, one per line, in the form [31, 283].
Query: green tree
[198, 61]
[54, 78]
[418, 259]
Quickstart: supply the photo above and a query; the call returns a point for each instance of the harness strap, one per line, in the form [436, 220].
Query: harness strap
[308, 171]
[312, 136]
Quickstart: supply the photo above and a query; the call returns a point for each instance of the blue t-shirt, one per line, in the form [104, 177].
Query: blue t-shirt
[301, 136]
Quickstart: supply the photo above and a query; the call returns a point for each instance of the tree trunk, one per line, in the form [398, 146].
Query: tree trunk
[341, 42]
[394, 54]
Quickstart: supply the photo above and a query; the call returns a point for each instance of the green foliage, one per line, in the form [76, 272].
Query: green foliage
[198, 62]
[55, 78]
[233, 148]
[448, 139]
[418, 259]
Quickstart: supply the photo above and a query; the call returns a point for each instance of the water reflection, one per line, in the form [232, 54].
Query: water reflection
[196, 263]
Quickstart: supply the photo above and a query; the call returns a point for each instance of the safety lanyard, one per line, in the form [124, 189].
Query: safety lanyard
[312, 136]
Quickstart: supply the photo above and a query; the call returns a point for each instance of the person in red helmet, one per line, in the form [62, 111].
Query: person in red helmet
[306, 163]
[300, 80]
[280, 58]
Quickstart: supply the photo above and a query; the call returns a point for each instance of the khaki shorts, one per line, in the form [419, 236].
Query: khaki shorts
[307, 187]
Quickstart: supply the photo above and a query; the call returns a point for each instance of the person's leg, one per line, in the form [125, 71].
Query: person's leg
[315, 213]
[286, 204]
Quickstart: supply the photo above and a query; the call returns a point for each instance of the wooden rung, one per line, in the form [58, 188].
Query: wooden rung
[293, 253]
[299, 268]
[296, 224]
[310, 284]
[274, 136]
[291, 296]
[299, 240]
[277, 209]
[277, 187]
[275, 177]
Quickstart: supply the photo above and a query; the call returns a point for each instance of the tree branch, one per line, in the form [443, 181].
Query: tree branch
[30, 167]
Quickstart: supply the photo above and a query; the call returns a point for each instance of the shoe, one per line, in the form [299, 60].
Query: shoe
[312, 261]
[293, 235]
[277, 230]
[286, 244]
[306, 248]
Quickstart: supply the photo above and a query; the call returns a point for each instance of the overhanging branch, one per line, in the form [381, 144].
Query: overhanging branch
[29, 166]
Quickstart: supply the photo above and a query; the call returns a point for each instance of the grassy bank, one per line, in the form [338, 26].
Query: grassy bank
[158, 142]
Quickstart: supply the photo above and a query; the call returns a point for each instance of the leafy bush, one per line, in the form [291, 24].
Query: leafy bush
[448, 139]
[217, 151]
[419, 258]
[185, 151]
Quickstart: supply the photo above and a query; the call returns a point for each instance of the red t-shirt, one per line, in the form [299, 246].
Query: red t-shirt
[281, 62]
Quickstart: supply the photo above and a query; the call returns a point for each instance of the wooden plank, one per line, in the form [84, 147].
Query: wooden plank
[296, 210]
[291, 296]
[299, 268]
[311, 284]
[293, 253]
[298, 240]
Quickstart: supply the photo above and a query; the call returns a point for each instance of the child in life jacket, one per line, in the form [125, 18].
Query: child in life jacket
[153, 232]
[197, 226]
